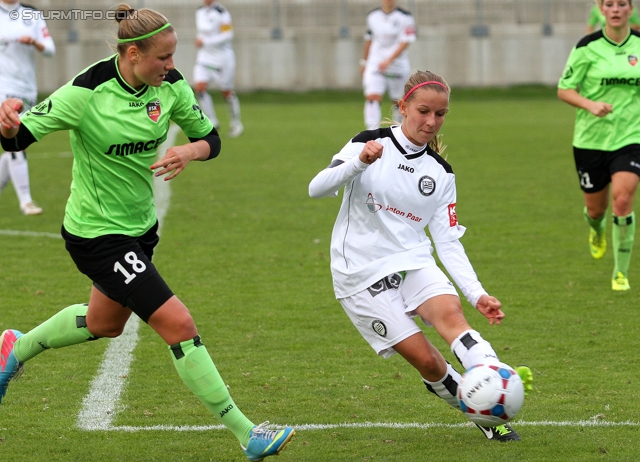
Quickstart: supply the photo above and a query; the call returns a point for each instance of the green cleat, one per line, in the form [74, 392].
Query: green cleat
[620, 282]
[526, 376]
[501, 433]
[597, 244]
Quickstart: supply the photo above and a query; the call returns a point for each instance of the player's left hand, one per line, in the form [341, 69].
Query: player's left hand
[174, 161]
[490, 308]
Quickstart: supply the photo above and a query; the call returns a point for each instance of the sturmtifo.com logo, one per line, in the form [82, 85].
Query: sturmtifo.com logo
[82, 15]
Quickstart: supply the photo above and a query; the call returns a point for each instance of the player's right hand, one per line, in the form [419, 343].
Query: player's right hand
[371, 152]
[600, 109]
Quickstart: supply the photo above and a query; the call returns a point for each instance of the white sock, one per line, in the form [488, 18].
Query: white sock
[4, 170]
[233, 105]
[206, 104]
[19, 173]
[447, 387]
[372, 114]
[471, 349]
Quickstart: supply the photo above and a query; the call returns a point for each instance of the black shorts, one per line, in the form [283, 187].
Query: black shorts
[596, 167]
[120, 267]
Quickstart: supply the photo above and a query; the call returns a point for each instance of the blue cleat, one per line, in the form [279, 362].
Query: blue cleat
[264, 442]
[10, 367]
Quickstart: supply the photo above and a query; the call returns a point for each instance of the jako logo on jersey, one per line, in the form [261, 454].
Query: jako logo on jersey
[136, 104]
[371, 204]
[379, 328]
[153, 110]
[43, 108]
[426, 185]
[405, 168]
[134, 147]
[633, 59]
[453, 218]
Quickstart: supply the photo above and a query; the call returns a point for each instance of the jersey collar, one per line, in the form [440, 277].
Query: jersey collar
[123, 83]
[406, 147]
[616, 44]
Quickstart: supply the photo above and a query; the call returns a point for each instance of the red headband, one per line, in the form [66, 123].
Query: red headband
[422, 85]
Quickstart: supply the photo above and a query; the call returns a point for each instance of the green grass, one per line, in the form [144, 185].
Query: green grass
[248, 251]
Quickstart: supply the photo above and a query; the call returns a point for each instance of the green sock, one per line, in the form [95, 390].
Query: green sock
[196, 369]
[598, 224]
[623, 232]
[68, 327]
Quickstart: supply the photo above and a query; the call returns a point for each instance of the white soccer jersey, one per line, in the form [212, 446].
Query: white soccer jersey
[387, 31]
[213, 24]
[386, 206]
[17, 61]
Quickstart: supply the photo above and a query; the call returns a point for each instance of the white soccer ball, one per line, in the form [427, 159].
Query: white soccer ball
[490, 394]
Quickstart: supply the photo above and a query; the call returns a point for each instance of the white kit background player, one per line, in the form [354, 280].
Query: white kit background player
[216, 62]
[22, 32]
[385, 61]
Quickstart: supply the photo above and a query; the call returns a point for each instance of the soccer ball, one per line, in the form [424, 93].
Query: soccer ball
[490, 394]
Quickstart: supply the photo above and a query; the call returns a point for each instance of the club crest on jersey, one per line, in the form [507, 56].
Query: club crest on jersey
[153, 110]
[427, 185]
[633, 59]
[371, 204]
[453, 218]
[379, 328]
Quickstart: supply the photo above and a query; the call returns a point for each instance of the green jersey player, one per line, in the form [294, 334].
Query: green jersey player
[118, 112]
[602, 79]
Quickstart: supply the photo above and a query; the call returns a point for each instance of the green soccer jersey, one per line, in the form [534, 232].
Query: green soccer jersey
[115, 131]
[603, 70]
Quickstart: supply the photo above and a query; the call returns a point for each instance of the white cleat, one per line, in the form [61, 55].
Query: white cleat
[31, 209]
[236, 130]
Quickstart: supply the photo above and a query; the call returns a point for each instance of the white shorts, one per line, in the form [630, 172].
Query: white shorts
[384, 313]
[222, 77]
[392, 81]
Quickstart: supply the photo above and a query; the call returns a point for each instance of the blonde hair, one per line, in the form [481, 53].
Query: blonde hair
[136, 23]
[420, 77]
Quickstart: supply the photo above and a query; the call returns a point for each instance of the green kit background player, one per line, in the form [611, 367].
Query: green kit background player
[118, 112]
[602, 79]
[597, 20]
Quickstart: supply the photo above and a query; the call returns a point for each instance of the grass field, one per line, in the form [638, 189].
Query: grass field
[248, 252]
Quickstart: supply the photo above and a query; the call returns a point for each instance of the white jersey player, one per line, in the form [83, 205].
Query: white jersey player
[385, 61]
[216, 62]
[384, 274]
[22, 32]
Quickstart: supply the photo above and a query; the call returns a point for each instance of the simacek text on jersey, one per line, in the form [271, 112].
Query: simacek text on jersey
[76, 14]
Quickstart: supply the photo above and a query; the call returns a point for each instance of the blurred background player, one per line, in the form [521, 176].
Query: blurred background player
[597, 21]
[599, 79]
[21, 34]
[216, 62]
[385, 62]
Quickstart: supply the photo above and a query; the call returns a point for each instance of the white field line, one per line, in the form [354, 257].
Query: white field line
[10, 232]
[384, 425]
[101, 404]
